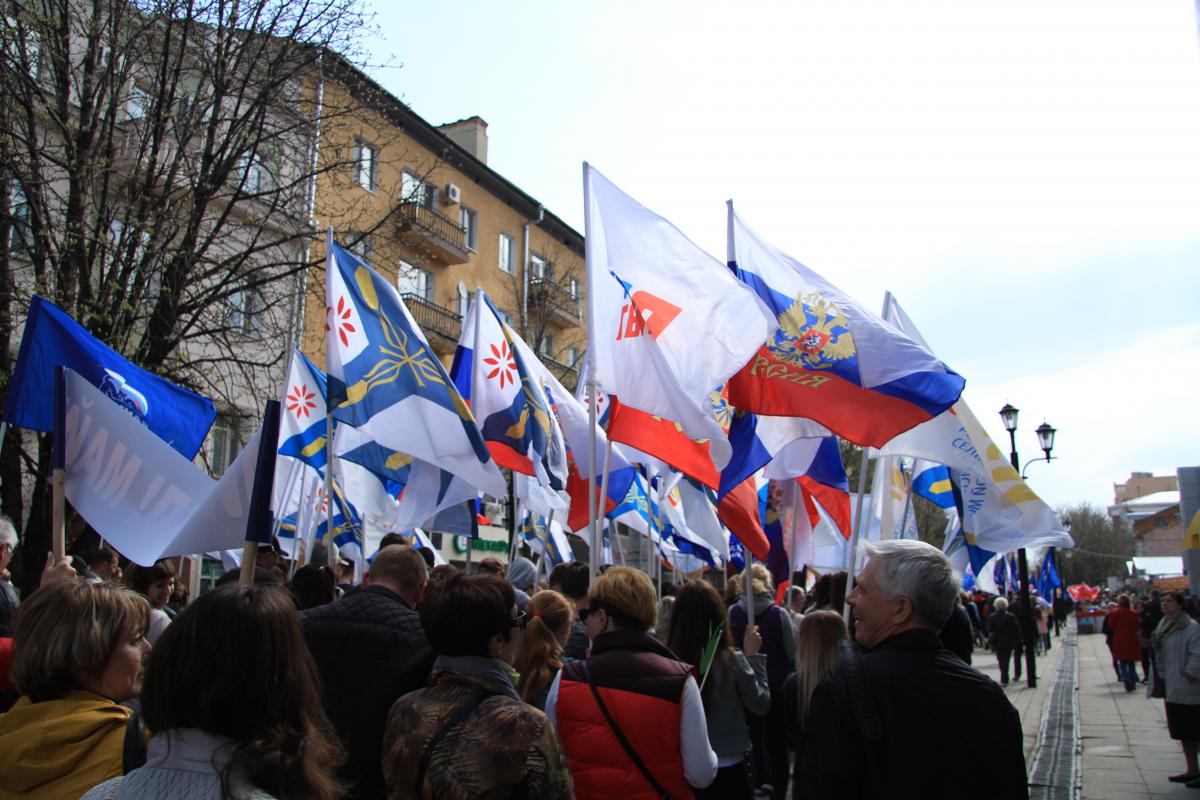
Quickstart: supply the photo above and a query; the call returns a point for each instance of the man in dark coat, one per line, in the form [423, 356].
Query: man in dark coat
[884, 722]
[370, 649]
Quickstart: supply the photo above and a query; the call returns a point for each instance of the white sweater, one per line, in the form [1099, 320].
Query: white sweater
[181, 764]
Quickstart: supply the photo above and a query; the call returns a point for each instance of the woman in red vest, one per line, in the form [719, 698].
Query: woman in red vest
[630, 717]
[1125, 625]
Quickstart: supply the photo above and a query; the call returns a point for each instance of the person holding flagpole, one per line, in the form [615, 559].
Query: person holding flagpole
[733, 683]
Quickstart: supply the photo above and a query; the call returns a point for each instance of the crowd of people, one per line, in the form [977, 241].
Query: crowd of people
[429, 682]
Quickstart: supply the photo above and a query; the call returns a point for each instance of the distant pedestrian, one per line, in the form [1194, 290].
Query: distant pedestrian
[1126, 649]
[1176, 642]
[1004, 634]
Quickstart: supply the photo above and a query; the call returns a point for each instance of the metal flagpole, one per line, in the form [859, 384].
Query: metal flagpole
[748, 589]
[907, 502]
[330, 548]
[798, 508]
[853, 548]
[288, 486]
[615, 535]
[593, 527]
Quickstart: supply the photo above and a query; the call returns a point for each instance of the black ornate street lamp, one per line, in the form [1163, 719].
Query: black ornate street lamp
[1045, 434]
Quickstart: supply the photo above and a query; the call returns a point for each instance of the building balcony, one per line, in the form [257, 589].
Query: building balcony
[556, 301]
[432, 233]
[567, 373]
[442, 326]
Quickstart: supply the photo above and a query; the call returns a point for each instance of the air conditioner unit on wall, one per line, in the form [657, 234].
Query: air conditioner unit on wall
[452, 194]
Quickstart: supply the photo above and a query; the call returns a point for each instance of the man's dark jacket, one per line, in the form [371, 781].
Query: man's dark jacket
[370, 649]
[925, 698]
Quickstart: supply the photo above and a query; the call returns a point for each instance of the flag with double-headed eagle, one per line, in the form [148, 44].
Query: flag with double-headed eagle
[396, 392]
[831, 360]
[667, 322]
[503, 382]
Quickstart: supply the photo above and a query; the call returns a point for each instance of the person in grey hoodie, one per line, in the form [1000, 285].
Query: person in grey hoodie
[769, 735]
[735, 682]
[522, 574]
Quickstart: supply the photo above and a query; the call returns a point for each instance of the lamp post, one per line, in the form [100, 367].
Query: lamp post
[1045, 434]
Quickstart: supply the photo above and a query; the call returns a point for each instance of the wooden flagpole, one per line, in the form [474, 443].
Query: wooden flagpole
[258, 520]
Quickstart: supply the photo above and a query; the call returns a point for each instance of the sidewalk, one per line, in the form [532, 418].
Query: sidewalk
[1029, 702]
[1127, 752]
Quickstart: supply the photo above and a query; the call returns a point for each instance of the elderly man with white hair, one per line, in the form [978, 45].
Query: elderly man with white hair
[900, 716]
[9, 600]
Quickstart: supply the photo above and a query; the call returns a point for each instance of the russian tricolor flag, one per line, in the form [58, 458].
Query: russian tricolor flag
[831, 360]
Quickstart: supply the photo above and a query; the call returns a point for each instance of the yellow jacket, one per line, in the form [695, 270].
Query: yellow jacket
[60, 748]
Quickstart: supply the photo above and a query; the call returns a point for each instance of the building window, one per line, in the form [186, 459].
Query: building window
[24, 47]
[246, 306]
[547, 347]
[574, 284]
[365, 165]
[255, 178]
[415, 190]
[18, 207]
[470, 224]
[140, 102]
[572, 356]
[225, 446]
[464, 300]
[540, 268]
[414, 280]
[508, 251]
[362, 246]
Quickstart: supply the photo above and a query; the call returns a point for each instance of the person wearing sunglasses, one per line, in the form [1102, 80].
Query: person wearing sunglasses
[468, 733]
[630, 715]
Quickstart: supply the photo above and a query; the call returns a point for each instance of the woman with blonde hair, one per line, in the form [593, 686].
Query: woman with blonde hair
[79, 650]
[817, 653]
[550, 615]
[630, 716]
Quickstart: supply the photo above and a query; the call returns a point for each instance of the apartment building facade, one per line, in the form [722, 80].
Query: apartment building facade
[419, 203]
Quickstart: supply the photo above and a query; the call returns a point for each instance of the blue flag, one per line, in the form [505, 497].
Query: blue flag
[1048, 579]
[179, 417]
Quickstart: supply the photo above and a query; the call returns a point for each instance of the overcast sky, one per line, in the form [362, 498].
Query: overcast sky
[1022, 175]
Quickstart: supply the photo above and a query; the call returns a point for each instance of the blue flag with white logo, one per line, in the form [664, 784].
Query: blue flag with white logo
[179, 417]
